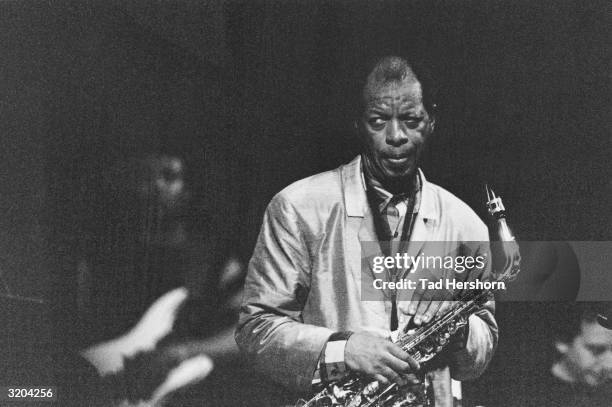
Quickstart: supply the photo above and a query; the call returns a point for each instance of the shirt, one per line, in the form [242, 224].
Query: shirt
[393, 209]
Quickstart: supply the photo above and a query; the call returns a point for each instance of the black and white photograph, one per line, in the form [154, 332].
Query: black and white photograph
[305, 203]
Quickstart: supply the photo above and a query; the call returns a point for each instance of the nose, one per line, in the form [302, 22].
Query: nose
[396, 135]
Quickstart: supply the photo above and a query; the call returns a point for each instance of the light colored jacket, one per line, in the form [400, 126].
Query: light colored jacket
[304, 279]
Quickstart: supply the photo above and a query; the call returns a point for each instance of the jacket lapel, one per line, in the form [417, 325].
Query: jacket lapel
[356, 206]
[360, 222]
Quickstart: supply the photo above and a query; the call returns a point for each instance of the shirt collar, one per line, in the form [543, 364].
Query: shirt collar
[355, 200]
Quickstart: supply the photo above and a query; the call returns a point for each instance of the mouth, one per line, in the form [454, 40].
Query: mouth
[397, 160]
[595, 379]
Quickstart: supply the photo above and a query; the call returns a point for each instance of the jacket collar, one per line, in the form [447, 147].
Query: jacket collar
[356, 201]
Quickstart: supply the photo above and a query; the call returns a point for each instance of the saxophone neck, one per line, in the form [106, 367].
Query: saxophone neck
[508, 255]
[503, 231]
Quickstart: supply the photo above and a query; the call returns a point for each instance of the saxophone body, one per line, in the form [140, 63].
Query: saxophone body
[427, 341]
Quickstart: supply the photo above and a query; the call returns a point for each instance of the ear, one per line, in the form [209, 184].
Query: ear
[561, 347]
[356, 129]
[432, 117]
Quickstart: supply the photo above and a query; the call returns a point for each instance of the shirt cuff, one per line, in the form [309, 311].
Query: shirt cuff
[331, 364]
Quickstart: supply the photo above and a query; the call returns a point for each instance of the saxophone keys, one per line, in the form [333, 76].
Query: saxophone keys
[339, 394]
[371, 388]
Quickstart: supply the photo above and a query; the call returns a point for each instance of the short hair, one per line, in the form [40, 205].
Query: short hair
[394, 69]
[572, 315]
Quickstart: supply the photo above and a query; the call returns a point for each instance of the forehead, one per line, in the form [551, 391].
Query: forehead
[593, 333]
[407, 93]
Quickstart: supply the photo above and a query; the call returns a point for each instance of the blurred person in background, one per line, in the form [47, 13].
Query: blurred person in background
[564, 360]
[157, 291]
[582, 373]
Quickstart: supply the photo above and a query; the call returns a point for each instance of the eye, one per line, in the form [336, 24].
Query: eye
[596, 350]
[377, 122]
[412, 122]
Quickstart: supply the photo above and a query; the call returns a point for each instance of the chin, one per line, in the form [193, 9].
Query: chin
[399, 175]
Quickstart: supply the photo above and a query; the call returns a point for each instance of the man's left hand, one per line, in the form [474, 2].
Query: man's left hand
[425, 305]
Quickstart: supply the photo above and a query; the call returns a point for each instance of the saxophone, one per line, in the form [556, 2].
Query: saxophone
[424, 343]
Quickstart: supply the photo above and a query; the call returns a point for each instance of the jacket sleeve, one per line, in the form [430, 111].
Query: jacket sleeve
[270, 330]
[472, 360]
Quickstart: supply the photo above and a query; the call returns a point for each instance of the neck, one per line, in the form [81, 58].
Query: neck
[399, 185]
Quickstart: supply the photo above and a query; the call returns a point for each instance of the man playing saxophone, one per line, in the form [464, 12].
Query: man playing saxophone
[303, 321]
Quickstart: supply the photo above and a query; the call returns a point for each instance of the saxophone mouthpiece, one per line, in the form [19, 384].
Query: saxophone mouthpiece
[494, 203]
[490, 194]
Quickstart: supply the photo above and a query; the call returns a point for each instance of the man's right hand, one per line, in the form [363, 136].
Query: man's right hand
[379, 358]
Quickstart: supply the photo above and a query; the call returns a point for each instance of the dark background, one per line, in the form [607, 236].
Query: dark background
[255, 95]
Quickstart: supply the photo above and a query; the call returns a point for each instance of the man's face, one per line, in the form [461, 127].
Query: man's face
[168, 172]
[589, 356]
[395, 126]
[164, 181]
